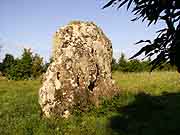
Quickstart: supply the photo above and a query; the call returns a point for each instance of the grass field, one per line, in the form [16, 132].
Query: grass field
[149, 104]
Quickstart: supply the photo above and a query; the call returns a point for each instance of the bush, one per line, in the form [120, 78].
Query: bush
[135, 65]
[29, 66]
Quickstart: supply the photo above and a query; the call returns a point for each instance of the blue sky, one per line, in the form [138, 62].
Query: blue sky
[32, 23]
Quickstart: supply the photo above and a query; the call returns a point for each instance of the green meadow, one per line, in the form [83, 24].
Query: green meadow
[147, 104]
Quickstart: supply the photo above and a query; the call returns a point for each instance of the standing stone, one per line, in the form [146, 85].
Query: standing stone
[80, 73]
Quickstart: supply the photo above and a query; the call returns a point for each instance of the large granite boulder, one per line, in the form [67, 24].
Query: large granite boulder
[80, 73]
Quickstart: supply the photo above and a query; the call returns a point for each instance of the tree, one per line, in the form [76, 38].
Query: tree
[26, 62]
[1, 68]
[22, 68]
[29, 66]
[135, 66]
[37, 66]
[114, 65]
[122, 63]
[166, 46]
[7, 63]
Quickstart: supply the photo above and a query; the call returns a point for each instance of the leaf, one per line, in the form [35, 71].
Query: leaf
[139, 53]
[108, 4]
[162, 30]
[149, 48]
[150, 22]
[161, 58]
[135, 19]
[122, 3]
[144, 18]
[129, 4]
[137, 11]
[148, 41]
[142, 41]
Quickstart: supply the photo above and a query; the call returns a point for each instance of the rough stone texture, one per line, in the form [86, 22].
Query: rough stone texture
[81, 71]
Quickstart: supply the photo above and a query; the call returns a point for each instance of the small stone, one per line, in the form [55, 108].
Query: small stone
[66, 114]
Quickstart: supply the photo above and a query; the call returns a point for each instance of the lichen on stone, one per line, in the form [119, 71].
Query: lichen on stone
[81, 71]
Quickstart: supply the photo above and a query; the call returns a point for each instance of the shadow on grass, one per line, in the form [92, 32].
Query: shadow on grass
[148, 115]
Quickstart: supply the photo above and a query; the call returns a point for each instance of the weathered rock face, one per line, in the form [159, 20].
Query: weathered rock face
[81, 71]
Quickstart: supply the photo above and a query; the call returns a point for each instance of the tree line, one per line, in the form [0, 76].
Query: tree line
[28, 66]
[135, 65]
[31, 66]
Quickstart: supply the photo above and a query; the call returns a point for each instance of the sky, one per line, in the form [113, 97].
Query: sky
[32, 23]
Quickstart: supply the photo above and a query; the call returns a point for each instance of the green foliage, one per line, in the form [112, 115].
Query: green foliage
[26, 62]
[37, 66]
[114, 65]
[135, 65]
[29, 66]
[165, 47]
[7, 63]
[122, 63]
[23, 67]
[1, 67]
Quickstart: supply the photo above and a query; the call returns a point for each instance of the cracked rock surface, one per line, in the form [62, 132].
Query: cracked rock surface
[80, 73]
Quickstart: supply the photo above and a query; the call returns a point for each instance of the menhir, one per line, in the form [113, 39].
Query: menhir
[80, 73]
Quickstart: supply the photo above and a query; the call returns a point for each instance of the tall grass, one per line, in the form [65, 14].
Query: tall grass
[153, 83]
[130, 113]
